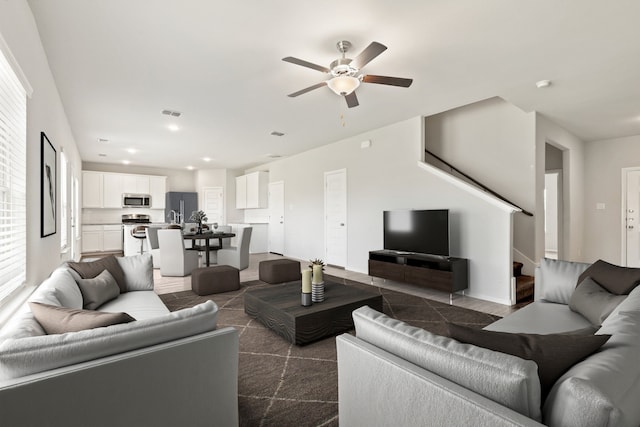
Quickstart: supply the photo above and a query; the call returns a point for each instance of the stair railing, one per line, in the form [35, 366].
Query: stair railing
[476, 182]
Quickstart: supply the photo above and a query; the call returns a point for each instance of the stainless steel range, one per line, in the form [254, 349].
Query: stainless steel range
[132, 243]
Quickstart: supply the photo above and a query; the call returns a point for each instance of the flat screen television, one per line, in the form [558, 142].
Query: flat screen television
[417, 231]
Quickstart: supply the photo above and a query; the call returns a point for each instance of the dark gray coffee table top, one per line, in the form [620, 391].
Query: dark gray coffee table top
[278, 308]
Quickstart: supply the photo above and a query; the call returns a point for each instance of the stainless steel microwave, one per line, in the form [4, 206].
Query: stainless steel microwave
[136, 201]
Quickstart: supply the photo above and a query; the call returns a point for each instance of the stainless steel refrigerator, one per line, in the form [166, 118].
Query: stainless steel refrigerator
[182, 204]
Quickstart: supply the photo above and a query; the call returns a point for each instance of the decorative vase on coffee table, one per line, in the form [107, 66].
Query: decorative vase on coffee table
[317, 284]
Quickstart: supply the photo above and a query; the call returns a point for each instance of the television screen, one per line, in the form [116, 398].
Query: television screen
[419, 231]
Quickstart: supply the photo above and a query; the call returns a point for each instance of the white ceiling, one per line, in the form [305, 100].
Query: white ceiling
[119, 63]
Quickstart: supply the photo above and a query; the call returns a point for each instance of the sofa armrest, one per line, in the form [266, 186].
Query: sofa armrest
[401, 393]
[190, 381]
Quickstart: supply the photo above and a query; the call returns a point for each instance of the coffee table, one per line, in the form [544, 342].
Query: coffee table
[278, 308]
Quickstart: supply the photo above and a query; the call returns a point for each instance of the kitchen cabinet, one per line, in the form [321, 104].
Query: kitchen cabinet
[101, 238]
[252, 190]
[105, 189]
[157, 190]
[135, 184]
[91, 189]
[259, 238]
[112, 185]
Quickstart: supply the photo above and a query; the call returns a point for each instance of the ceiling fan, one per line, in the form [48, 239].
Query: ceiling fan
[345, 73]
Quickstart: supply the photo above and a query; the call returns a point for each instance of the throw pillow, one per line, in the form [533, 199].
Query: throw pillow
[89, 270]
[559, 279]
[98, 290]
[593, 301]
[59, 320]
[138, 272]
[553, 353]
[615, 279]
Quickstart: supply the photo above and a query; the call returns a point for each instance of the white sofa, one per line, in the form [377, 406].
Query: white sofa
[163, 369]
[391, 373]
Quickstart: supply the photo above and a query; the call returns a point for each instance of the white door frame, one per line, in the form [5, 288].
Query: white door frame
[281, 220]
[346, 241]
[623, 213]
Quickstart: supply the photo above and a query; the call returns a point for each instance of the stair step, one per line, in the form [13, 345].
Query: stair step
[517, 268]
[524, 288]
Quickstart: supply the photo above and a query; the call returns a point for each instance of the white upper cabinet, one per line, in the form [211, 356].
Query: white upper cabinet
[105, 189]
[252, 190]
[157, 190]
[136, 184]
[91, 189]
[112, 190]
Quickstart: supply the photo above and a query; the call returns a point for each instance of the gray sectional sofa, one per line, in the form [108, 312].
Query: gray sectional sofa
[163, 369]
[393, 374]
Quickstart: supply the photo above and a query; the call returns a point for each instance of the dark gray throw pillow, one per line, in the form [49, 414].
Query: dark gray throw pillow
[615, 279]
[89, 270]
[553, 353]
[98, 290]
[59, 320]
[593, 301]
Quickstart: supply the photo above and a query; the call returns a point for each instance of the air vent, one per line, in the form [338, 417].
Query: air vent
[274, 156]
[276, 133]
[171, 113]
[103, 140]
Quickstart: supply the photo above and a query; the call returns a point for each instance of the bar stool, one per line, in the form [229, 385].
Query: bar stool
[140, 232]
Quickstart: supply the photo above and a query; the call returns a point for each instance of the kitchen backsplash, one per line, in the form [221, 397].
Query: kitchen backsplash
[114, 216]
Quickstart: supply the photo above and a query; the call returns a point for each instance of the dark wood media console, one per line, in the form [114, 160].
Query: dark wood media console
[447, 274]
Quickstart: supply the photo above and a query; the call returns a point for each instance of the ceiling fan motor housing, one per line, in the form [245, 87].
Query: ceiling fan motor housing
[342, 67]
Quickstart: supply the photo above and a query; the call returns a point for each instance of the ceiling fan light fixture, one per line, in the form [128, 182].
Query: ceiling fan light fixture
[343, 85]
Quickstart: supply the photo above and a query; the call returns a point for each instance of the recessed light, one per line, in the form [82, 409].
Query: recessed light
[173, 128]
[543, 83]
[190, 168]
[132, 150]
[206, 159]
[126, 162]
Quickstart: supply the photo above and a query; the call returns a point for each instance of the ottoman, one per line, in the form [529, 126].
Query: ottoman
[279, 271]
[215, 279]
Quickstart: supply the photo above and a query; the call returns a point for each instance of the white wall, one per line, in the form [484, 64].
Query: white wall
[45, 113]
[493, 142]
[604, 161]
[383, 177]
[573, 187]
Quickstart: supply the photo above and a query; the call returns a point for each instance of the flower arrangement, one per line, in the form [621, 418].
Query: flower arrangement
[199, 217]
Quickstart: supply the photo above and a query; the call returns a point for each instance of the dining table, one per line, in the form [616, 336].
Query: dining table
[207, 236]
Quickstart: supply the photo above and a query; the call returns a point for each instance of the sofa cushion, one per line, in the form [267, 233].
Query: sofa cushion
[89, 270]
[24, 356]
[559, 279]
[603, 389]
[541, 318]
[593, 301]
[58, 320]
[553, 353]
[138, 272]
[66, 288]
[617, 280]
[98, 290]
[506, 379]
[141, 305]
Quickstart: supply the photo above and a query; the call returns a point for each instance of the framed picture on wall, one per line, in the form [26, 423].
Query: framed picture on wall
[47, 187]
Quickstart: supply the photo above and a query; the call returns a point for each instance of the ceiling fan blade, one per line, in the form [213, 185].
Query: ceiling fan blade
[352, 100]
[307, 64]
[367, 55]
[308, 89]
[384, 80]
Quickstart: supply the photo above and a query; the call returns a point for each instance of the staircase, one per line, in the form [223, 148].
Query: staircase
[524, 285]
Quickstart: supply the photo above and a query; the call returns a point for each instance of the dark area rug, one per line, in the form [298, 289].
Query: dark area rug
[281, 384]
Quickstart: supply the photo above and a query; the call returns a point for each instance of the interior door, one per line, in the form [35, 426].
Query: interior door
[335, 226]
[276, 217]
[213, 204]
[631, 232]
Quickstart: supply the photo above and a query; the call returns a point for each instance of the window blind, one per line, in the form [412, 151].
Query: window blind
[13, 200]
